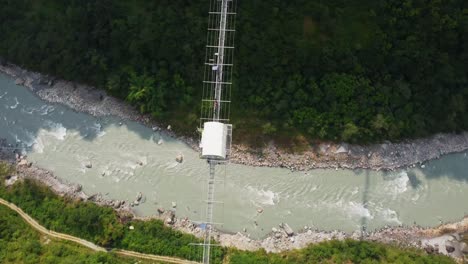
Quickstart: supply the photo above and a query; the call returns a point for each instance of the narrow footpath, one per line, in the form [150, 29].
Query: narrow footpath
[88, 244]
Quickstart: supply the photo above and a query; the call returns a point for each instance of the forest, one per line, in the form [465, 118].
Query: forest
[105, 227]
[356, 71]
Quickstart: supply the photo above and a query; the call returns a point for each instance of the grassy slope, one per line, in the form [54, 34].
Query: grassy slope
[19, 243]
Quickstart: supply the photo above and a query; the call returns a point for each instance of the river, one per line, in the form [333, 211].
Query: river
[126, 159]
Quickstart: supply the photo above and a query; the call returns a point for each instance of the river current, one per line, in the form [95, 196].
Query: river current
[126, 159]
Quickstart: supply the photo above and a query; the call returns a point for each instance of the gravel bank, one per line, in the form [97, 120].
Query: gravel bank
[385, 156]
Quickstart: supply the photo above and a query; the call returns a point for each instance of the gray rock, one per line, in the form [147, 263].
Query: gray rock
[117, 204]
[341, 149]
[19, 81]
[464, 248]
[429, 249]
[180, 158]
[89, 165]
[288, 230]
[139, 196]
[174, 204]
[23, 162]
[449, 246]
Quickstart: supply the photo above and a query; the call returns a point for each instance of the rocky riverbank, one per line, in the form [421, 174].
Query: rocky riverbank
[445, 239]
[385, 156]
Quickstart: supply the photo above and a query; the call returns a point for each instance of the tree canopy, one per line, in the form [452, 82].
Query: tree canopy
[358, 71]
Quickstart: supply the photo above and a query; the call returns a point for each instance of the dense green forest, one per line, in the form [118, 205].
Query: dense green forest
[358, 71]
[19, 244]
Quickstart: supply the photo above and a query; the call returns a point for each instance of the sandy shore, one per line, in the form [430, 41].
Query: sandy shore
[385, 156]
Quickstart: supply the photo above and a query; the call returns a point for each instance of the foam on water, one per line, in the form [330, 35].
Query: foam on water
[97, 127]
[357, 210]
[398, 184]
[1, 96]
[38, 145]
[15, 105]
[46, 109]
[57, 130]
[390, 216]
[262, 197]
[27, 110]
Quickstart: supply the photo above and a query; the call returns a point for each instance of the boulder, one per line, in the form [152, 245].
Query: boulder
[180, 158]
[341, 149]
[169, 127]
[288, 230]
[19, 81]
[260, 210]
[160, 211]
[464, 248]
[23, 162]
[160, 142]
[169, 221]
[117, 204]
[89, 165]
[429, 249]
[43, 81]
[139, 196]
[278, 235]
[174, 204]
[449, 246]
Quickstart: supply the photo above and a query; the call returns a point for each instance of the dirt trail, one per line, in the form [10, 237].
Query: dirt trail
[88, 244]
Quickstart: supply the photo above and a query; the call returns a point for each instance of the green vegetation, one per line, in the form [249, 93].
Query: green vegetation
[349, 251]
[358, 71]
[19, 243]
[101, 225]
